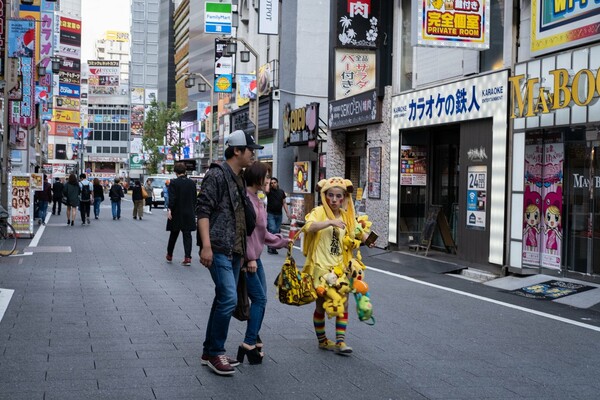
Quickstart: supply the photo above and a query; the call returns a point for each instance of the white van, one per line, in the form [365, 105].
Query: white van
[158, 183]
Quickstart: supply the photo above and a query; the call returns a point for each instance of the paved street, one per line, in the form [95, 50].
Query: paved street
[97, 313]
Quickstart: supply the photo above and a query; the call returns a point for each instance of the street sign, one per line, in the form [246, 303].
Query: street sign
[217, 18]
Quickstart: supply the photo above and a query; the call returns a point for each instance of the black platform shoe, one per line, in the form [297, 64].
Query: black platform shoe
[254, 356]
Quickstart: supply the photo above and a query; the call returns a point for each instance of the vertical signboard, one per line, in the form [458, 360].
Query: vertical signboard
[217, 18]
[476, 196]
[552, 178]
[268, 17]
[354, 72]
[464, 24]
[21, 44]
[21, 204]
[223, 68]
[358, 23]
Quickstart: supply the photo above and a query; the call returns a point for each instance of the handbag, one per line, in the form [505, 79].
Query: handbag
[294, 288]
[144, 193]
[242, 308]
[64, 200]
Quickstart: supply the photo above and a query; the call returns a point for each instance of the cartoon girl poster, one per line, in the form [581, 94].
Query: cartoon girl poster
[532, 205]
[532, 216]
[552, 231]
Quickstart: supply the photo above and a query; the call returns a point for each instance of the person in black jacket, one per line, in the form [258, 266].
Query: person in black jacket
[98, 197]
[180, 213]
[116, 194]
[57, 189]
[43, 198]
[138, 200]
[222, 239]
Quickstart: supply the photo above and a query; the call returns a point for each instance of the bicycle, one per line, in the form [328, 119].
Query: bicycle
[8, 236]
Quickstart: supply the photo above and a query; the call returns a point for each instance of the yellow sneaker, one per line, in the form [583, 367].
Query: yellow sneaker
[327, 345]
[343, 349]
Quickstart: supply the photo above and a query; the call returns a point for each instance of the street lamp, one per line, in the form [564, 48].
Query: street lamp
[190, 81]
[55, 66]
[231, 49]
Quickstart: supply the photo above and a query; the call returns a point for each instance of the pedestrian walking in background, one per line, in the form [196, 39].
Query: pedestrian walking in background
[222, 241]
[252, 347]
[138, 200]
[150, 192]
[116, 194]
[98, 197]
[43, 198]
[181, 213]
[71, 192]
[275, 202]
[327, 226]
[85, 204]
[165, 192]
[57, 190]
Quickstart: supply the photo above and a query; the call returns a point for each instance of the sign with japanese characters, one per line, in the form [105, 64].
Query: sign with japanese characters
[360, 109]
[354, 72]
[457, 101]
[558, 25]
[464, 24]
[358, 23]
[217, 18]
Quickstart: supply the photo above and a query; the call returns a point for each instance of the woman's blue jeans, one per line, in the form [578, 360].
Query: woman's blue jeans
[116, 209]
[224, 272]
[97, 201]
[257, 292]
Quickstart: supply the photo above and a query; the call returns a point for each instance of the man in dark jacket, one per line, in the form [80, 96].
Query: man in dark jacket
[180, 213]
[222, 240]
[57, 189]
[43, 198]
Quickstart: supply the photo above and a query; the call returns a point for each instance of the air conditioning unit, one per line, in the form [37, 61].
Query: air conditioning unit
[276, 94]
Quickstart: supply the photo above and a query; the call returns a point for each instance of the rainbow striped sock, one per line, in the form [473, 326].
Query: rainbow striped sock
[319, 323]
[341, 323]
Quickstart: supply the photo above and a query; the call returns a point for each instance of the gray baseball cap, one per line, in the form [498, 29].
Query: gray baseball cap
[240, 138]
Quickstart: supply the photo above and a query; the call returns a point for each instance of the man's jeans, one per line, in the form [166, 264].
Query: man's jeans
[116, 209]
[43, 210]
[274, 224]
[224, 272]
[257, 292]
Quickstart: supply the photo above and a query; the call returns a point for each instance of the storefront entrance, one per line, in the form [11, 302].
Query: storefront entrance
[429, 177]
[561, 220]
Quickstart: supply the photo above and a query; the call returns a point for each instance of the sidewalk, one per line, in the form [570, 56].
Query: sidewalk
[97, 313]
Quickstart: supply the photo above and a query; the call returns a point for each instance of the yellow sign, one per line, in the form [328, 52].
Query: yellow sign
[223, 83]
[580, 89]
[117, 36]
[65, 116]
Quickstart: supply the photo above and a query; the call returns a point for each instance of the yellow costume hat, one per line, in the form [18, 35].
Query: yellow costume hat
[325, 184]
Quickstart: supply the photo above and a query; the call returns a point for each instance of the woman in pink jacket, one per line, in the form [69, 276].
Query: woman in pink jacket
[255, 177]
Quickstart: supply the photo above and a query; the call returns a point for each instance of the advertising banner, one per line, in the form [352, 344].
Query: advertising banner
[557, 25]
[21, 204]
[203, 110]
[464, 24]
[137, 95]
[358, 23]
[302, 177]
[246, 88]
[354, 72]
[21, 45]
[413, 166]
[150, 96]
[223, 68]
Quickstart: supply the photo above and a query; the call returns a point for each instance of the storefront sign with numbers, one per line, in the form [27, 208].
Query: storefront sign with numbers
[476, 196]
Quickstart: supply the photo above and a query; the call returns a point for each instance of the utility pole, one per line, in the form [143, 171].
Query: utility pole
[81, 152]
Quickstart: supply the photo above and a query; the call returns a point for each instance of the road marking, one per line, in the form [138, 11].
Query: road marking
[500, 303]
[5, 296]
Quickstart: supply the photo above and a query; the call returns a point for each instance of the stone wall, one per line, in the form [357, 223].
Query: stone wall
[378, 135]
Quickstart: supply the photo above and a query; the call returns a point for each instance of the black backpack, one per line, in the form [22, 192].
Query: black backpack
[85, 192]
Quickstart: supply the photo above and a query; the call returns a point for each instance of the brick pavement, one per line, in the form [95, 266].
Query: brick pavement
[111, 320]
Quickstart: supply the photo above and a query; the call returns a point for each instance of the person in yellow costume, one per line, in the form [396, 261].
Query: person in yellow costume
[329, 242]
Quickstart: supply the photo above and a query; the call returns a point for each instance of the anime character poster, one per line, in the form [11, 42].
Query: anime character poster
[552, 232]
[302, 177]
[532, 205]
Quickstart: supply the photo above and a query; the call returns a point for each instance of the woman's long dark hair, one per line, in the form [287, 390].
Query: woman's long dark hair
[72, 179]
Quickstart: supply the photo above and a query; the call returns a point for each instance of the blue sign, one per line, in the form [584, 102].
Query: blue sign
[69, 90]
